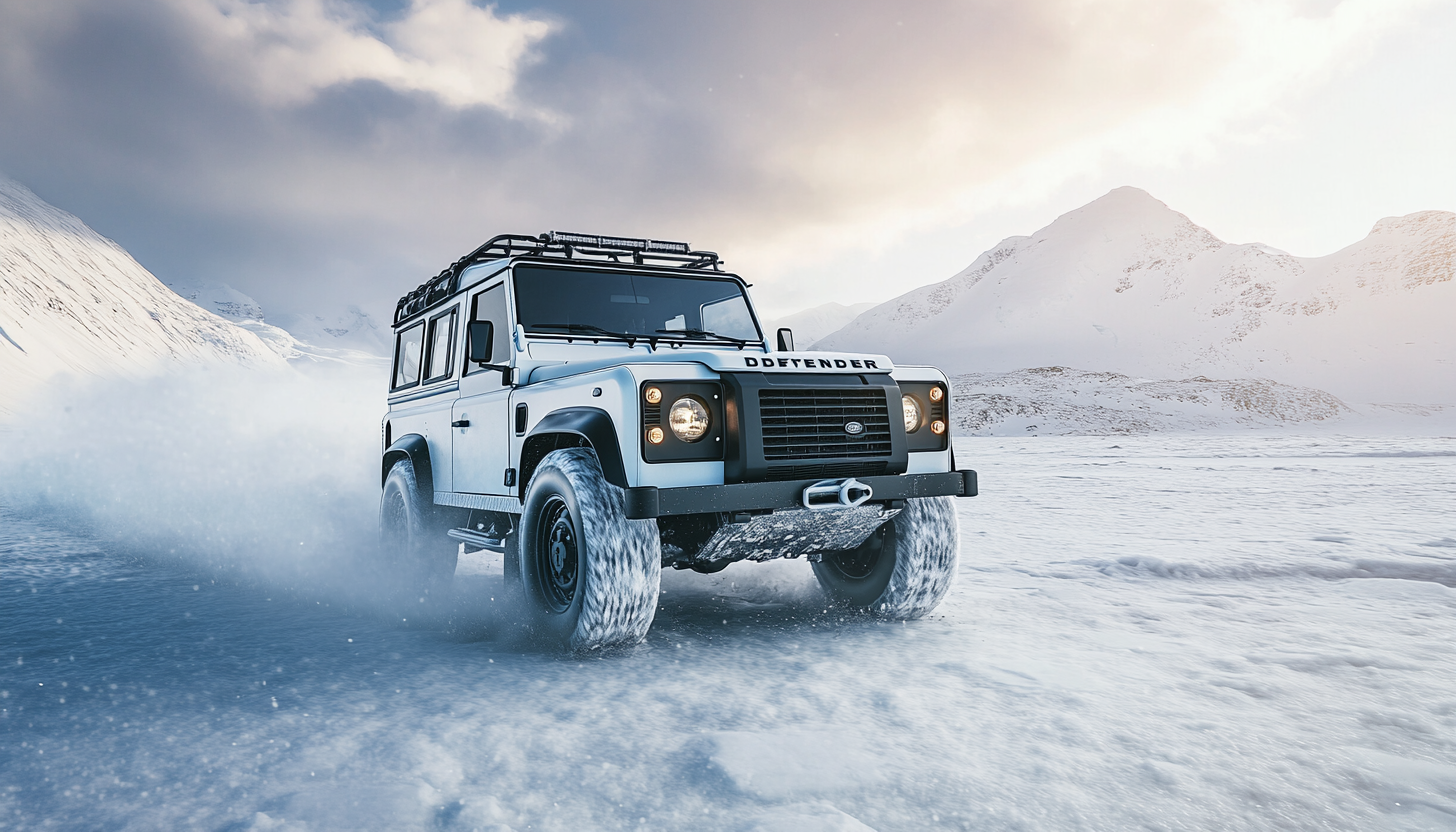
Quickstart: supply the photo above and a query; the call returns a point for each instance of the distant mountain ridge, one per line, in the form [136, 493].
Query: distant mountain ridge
[1125, 284]
[810, 325]
[351, 336]
[1066, 401]
[72, 301]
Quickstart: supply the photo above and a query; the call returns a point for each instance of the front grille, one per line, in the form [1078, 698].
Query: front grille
[826, 470]
[807, 424]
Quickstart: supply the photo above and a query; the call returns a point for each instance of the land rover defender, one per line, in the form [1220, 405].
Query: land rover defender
[596, 409]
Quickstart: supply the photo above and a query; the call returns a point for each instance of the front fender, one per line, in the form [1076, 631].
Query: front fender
[580, 426]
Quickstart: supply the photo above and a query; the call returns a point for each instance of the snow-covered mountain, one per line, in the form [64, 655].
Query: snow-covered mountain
[220, 299]
[351, 336]
[350, 328]
[811, 325]
[72, 301]
[1126, 284]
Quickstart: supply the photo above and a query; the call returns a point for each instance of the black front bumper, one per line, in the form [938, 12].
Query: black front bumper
[648, 501]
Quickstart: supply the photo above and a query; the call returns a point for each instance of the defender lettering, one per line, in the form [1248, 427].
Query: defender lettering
[812, 363]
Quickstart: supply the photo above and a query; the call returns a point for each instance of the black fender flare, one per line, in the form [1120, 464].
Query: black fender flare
[417, 450]
[574, 427]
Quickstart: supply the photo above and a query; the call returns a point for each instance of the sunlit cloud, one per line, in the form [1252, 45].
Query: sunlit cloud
[313, 147]
[1151, 83]
[285, 53]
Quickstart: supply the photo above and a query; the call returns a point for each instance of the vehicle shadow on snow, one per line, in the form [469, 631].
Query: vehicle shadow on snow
[746, 601]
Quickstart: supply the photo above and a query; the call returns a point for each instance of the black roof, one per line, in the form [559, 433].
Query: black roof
[556, 244]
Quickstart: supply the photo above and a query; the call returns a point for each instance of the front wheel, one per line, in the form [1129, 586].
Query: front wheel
[904, 568]
[589, 575]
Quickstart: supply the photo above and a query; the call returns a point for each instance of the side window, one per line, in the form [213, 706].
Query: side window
[408, 346]
[441, 337]
[730, 317]
[490, 305]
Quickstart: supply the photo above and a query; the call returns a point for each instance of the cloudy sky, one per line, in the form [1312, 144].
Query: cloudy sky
[315, 153]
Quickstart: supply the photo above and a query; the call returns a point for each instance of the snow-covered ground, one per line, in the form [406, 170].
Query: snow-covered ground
[1175, 631]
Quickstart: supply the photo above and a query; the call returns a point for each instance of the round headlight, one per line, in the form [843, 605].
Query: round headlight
[912, 413]
[688, 419]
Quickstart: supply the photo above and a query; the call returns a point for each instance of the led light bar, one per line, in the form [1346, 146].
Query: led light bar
[627, 243]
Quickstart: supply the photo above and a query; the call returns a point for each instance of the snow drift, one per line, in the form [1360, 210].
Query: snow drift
[1125, 284]
[72, 301]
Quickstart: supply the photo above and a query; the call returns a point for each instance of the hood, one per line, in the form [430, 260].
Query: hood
[548, 361]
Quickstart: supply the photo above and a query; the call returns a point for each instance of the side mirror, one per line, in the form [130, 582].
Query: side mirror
[786, 340]
[482, 335]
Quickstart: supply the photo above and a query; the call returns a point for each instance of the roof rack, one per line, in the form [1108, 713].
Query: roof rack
[556, 244]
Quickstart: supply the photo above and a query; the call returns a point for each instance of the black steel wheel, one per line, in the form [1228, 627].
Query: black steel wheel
[558, 556]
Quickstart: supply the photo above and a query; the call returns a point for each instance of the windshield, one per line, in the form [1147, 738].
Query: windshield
[552, 301]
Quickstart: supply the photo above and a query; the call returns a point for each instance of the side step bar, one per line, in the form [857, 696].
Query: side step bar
[478, 540]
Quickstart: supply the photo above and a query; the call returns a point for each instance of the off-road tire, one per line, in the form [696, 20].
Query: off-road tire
[589, 576]
[904, 568]
[415, 555]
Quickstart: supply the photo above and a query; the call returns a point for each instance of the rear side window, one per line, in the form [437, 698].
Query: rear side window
[408, 350]
[441, 337]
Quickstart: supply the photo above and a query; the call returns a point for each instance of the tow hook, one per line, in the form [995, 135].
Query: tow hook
[837, 494]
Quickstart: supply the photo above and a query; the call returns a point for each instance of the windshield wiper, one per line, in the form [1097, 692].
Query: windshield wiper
[630, 337]
[691, 332]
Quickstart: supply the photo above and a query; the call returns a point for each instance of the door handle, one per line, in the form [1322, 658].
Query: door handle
[460, 423]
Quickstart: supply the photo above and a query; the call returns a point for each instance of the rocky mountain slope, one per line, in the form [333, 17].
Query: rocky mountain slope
[1125, 284]
[72, 301]
[1064, 401]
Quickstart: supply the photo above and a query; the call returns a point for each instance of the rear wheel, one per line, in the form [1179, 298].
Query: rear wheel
[904, 568]
[416, 556]
[589, 575]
